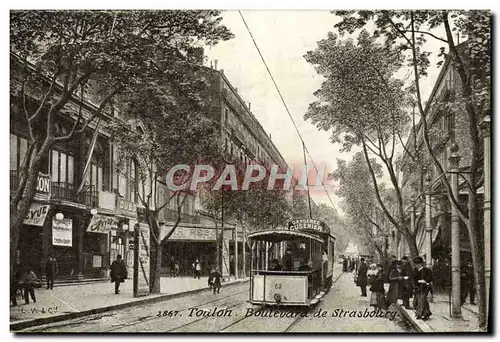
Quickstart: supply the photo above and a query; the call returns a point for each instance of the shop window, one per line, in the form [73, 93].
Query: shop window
[96, 261]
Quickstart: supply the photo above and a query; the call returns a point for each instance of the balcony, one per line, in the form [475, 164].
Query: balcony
[67, 192]
[171, 216]
[64, 191]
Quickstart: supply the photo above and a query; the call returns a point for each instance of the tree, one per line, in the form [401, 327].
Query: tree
[363, 103]
[359, 201]
[105, 52]
[337, 224]
[408, 31]
[257, 208]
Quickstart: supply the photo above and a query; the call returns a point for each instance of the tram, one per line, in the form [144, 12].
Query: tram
[292, 266]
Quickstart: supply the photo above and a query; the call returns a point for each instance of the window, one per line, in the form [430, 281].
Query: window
[62, 167]
[13, 152]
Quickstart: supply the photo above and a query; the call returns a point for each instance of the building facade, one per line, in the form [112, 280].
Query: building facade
[84, 212]
[448, 125]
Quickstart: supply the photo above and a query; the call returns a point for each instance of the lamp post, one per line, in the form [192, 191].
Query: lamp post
[485, 125]
[428, 222]
[454, 160]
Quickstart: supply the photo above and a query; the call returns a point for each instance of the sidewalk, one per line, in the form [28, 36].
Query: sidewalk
[85, 299]
[440, 321]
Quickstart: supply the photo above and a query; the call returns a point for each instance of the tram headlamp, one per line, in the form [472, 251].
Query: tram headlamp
[277, 297]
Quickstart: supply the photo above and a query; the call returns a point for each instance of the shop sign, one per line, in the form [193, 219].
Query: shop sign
[62, 232]
[102, 224]
[187, 233]
[141, 262]
[107, 200]
[308, 224]
[126, 208]
[43, 186]
[37, 214]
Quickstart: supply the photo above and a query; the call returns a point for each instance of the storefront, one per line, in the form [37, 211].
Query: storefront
[190, 242]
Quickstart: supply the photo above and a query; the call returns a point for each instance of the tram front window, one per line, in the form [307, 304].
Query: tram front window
[296, 257]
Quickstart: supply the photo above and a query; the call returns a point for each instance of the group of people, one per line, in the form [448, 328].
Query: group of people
[26, 280]
[404, 281]
[349, 264]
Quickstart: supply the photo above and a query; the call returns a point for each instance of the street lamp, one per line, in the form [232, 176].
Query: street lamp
[454, 161]
[59, 216]
[428, 221]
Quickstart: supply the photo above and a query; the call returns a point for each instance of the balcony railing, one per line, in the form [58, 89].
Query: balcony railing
[171, 216]
[67, 192]
[64, 191]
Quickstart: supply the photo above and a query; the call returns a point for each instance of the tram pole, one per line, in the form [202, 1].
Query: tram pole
[307, 180]
[236, 251]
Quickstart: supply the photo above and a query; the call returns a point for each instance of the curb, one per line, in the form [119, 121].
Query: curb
[409, 315]
[15, 327]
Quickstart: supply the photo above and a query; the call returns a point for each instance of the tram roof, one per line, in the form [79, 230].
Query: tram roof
[281, 235]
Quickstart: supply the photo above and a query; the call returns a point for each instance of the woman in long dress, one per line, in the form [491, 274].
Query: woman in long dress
[377, 298]
[396, 283]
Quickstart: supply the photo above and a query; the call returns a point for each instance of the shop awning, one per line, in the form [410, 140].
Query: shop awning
[281, 235]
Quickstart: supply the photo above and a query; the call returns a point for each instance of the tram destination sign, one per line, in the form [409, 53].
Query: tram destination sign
[308, 224]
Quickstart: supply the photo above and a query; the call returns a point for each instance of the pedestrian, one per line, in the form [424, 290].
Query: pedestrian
[29, 281]
[351, 264]
[197, 269]
[422, 279]
[216, 280]
[176, 269]
[362, 280]
[14, 286]
[377, 297]
[286, 261]
[172, 267]
[407, 290]
[396, 283]
[468, 283]
[118, 273]
[391, 265]
[51, 271]
[344, 264]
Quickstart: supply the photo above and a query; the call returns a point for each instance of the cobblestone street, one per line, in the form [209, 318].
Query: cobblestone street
[198, 312]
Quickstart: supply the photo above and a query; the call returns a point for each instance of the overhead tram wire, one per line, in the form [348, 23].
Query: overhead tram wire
[304, 148]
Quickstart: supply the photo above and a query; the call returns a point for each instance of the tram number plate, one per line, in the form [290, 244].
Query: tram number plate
[277, 286]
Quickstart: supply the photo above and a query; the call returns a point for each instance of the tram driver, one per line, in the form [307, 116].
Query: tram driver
[286, 261]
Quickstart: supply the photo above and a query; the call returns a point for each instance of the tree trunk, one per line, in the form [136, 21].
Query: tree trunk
[477, 257]
[18, 211]
[155, 288]
[412, 245]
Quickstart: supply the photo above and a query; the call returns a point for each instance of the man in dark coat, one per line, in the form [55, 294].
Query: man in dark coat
[422, 279]
[344, 264]
[286, 261]
[362, 279]
[468, 285]
[407, 290]
[118, 273]
[50, 271]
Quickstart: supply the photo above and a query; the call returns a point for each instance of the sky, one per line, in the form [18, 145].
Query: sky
[283, 38]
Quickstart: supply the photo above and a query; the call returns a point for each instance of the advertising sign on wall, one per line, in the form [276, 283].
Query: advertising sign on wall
[141, 264]
[43, 186]
[62, 232]
[102, 224]
[37, 214]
